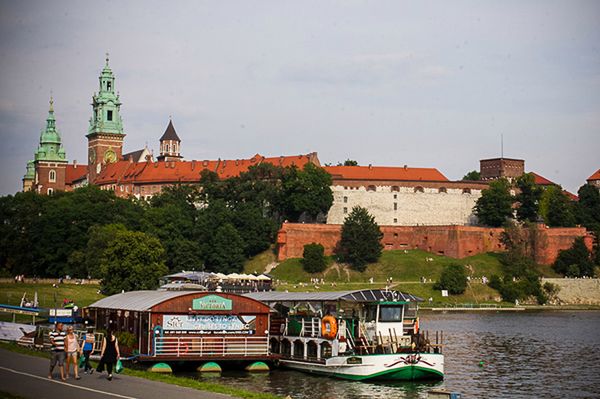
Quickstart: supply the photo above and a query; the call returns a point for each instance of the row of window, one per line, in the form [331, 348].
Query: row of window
[167, 148]
[417, 189]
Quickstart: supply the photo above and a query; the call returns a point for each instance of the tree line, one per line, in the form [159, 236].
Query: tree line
[214, 226]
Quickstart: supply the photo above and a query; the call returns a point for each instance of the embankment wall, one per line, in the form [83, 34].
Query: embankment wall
[577, 291]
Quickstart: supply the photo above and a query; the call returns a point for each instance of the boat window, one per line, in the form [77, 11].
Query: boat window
[390, 313]
[371, 313]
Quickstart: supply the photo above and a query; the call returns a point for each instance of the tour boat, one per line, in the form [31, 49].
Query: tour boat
[361, 335]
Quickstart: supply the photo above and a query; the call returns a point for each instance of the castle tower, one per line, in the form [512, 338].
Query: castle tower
[105, 134]
[50, 160]
[170, 145]
[29, 178]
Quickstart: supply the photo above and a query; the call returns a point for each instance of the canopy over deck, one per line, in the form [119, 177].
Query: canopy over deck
[332, 296]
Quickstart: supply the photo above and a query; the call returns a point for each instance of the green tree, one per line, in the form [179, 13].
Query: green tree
[575, 261]
[349, 162]
[472, 176]
[257, 231]
[360, 243]
[132, 261]
[99, 238]
[226, 253]
[587, 209]
[453, 279]
[494, 207]
[313, 258]
[528, 198]
[305, 192]
[557, 208]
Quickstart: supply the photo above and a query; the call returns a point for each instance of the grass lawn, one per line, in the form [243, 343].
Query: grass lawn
[259, 263]
[48, 296]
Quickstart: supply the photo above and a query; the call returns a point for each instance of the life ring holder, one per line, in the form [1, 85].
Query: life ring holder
[329, 327]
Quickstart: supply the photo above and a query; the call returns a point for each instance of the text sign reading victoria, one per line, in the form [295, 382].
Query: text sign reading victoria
[214, 324]
[212, 302]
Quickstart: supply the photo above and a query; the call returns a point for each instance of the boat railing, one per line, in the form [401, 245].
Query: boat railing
[211, 346]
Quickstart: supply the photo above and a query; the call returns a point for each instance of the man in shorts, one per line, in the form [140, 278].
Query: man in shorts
[57, 339]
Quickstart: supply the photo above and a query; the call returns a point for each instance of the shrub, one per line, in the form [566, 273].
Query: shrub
[453, 279]
[575, 261]
[313, 260]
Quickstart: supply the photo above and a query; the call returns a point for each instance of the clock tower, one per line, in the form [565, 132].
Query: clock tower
[105, 134]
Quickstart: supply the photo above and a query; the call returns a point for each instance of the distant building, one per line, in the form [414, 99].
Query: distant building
[594, 179]
[495, 168]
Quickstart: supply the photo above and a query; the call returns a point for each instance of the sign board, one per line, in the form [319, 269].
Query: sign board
[444, 292]
[61, 312]
[212, 302]
[205, 324]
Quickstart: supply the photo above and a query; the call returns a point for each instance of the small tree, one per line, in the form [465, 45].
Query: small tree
[453, 279]
[556, 208]
[494, 207]
[472, 175]
[361, 239]
[313, 258]
[528, 198]
[575, 261]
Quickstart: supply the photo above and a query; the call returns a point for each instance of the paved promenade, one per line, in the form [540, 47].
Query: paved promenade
[26, 376]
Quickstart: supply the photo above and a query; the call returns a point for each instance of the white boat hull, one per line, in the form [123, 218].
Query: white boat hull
[399, 366]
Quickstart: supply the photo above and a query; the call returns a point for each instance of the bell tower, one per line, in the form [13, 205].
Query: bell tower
[170, 145]
[105, 134]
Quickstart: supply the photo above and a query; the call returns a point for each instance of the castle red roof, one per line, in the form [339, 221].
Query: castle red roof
[595, 176]
[75, 172]
[542, 181]
[384, 173]
[189, 171]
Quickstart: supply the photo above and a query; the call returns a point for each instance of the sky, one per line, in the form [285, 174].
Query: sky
[389, 83]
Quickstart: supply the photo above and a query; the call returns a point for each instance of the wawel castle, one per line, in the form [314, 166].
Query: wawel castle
[402, 196]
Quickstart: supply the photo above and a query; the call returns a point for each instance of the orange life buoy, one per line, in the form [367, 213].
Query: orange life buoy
[329, 327]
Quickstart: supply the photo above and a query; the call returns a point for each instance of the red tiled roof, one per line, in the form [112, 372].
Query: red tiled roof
[189, 171]
[541, 180]
[595, 176]
[74, 173]
[384, 173]
[571, 196]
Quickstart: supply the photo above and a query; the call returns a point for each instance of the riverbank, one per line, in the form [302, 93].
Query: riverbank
[221, 391]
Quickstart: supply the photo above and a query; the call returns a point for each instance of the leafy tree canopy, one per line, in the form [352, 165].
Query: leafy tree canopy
[313, 258]
[556, 208]
[528, 198]
[494, 207]
[360, 243]
[472, 175]
[575, 261]
[453, 279]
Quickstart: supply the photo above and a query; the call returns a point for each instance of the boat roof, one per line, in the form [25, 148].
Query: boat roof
[350, 296]
[137, 300]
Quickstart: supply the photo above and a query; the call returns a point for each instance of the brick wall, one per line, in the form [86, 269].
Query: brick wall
[453, 241]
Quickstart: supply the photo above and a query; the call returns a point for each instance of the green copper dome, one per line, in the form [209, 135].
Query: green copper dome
[50, 147]
[30, 174]
[106, 106]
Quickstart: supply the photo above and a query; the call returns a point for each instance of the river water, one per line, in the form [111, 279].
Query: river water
[524, 355]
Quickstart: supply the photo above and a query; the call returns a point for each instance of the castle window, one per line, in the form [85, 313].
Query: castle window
[50, 191]
[395, 206]
[466, 191]
[395, 220]
[419, 189]
[167, 148]
[345, 210]
[109, 115]
[52, 176]
[395, 196]
[442, 190]
[345, 200]
[395, 188]
[371, 188]
[108, 86]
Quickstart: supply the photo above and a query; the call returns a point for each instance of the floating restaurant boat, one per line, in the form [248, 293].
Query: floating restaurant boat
[358, 335]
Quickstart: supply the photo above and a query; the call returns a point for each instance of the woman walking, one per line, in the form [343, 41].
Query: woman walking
[87, 349]
[72, 347]
[109, 354]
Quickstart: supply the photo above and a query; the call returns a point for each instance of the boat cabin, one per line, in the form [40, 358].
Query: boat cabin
[184, 325]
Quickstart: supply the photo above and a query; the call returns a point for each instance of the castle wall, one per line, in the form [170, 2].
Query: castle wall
[454, 241]
[408, 205]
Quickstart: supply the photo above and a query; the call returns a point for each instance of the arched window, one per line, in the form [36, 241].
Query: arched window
[466, 191]
[52, 176]
[395, 188]
[371, 188]
[174, 147]
[419, 189]
[167, 148]
[50, 191]
[442, 190]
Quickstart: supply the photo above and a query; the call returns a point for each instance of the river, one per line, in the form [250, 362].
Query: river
[524, 355]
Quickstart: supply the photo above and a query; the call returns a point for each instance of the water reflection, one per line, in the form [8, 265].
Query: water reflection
[496, 355]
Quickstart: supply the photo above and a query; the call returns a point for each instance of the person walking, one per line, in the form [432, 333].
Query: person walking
[109, 354]
[87, 348]
[73, 349]
[57, 340]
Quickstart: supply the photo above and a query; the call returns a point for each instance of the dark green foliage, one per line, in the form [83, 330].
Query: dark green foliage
[528, 198]
[131, 261]
[360, 243]
[305, 192]
[453, 279]
[472, 175]
[556, 208]
[575, 261]
[313, 258]
[587, 209]
[349, 162]
[226, 252]
[494, 207]
[257, 231]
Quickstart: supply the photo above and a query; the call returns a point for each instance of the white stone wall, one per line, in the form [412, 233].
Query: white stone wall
[430, 207]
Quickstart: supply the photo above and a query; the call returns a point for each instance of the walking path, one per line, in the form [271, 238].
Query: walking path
[26, 376]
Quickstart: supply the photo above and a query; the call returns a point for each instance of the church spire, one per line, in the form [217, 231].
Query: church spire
[106, 105]
[50, 147]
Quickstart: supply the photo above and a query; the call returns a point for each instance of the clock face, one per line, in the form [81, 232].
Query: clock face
[92, 155]
[110, 156]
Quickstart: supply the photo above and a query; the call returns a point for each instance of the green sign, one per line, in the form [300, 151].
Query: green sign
[211, 302]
